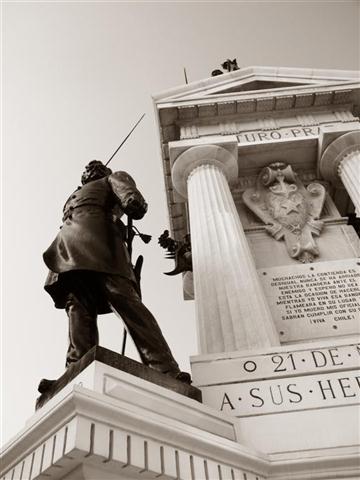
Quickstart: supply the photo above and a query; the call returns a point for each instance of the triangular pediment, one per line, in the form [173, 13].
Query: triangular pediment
[257, 79]
[254, 84]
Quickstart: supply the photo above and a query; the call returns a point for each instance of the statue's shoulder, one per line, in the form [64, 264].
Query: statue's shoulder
[121, 177]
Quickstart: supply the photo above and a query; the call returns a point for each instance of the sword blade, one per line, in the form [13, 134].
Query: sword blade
[127, 136]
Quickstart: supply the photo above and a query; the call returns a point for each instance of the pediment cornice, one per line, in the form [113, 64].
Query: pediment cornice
[280, 79]
[272, 101]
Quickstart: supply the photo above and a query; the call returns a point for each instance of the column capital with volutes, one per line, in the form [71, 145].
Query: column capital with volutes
[338, 146]
[185, 157]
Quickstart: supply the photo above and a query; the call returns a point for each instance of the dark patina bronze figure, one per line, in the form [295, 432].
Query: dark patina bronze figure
[180, 251]
[228, 66]
[90, 270]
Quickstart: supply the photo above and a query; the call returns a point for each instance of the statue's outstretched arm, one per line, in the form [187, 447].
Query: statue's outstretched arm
[131, 200]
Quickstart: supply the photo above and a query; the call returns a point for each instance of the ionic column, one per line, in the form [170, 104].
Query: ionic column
[232, 311]
[349, 172]
[340, 164]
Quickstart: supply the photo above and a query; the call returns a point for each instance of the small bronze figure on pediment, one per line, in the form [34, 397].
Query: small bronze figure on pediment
[228, 66]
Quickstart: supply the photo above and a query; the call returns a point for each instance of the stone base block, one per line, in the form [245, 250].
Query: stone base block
[288, 399]
[119, 362]
[106, 424]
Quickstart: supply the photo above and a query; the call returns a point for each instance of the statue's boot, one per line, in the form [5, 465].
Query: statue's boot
[45, 385]
[184, 377]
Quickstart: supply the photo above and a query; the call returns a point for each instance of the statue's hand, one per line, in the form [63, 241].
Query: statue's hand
[178, 251]
[136, 207]
[165, 241]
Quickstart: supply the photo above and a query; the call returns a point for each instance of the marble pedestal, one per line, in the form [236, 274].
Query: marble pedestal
[107, 424]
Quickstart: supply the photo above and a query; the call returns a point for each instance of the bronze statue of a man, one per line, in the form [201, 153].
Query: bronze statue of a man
[91, 271]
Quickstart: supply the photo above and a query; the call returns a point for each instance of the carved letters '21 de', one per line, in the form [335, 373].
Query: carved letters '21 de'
[288, 209]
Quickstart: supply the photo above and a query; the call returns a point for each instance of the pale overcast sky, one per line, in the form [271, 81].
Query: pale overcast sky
[76, 76]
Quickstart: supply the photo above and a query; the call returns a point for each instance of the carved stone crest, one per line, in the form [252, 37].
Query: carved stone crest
[289, 210]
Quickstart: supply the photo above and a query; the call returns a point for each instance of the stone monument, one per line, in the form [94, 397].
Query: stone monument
[261, 167]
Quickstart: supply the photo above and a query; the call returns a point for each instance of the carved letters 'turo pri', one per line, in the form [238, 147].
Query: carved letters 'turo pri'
[288, 209]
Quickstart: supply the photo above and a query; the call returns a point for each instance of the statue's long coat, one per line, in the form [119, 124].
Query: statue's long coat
[92, 237]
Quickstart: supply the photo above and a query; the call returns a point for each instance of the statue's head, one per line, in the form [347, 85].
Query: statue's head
[94, 170]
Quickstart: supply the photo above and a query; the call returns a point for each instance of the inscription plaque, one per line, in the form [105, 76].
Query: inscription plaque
[299, 360]
[287, 381]
[284, 395]
[314, 300]
[259, 136]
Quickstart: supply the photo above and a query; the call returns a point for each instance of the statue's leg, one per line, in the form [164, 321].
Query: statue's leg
[142, 326]
[83, 331]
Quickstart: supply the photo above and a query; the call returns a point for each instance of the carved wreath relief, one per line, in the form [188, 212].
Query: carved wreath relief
[288, 209]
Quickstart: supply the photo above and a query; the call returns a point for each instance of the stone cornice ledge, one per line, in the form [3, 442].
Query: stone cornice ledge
[336, 76]
[317, 95]
[342, 462]
[88, 427]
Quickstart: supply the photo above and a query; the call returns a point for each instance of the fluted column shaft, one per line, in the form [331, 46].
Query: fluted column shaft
[231, 308]
[232, 311]
[349, 172]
